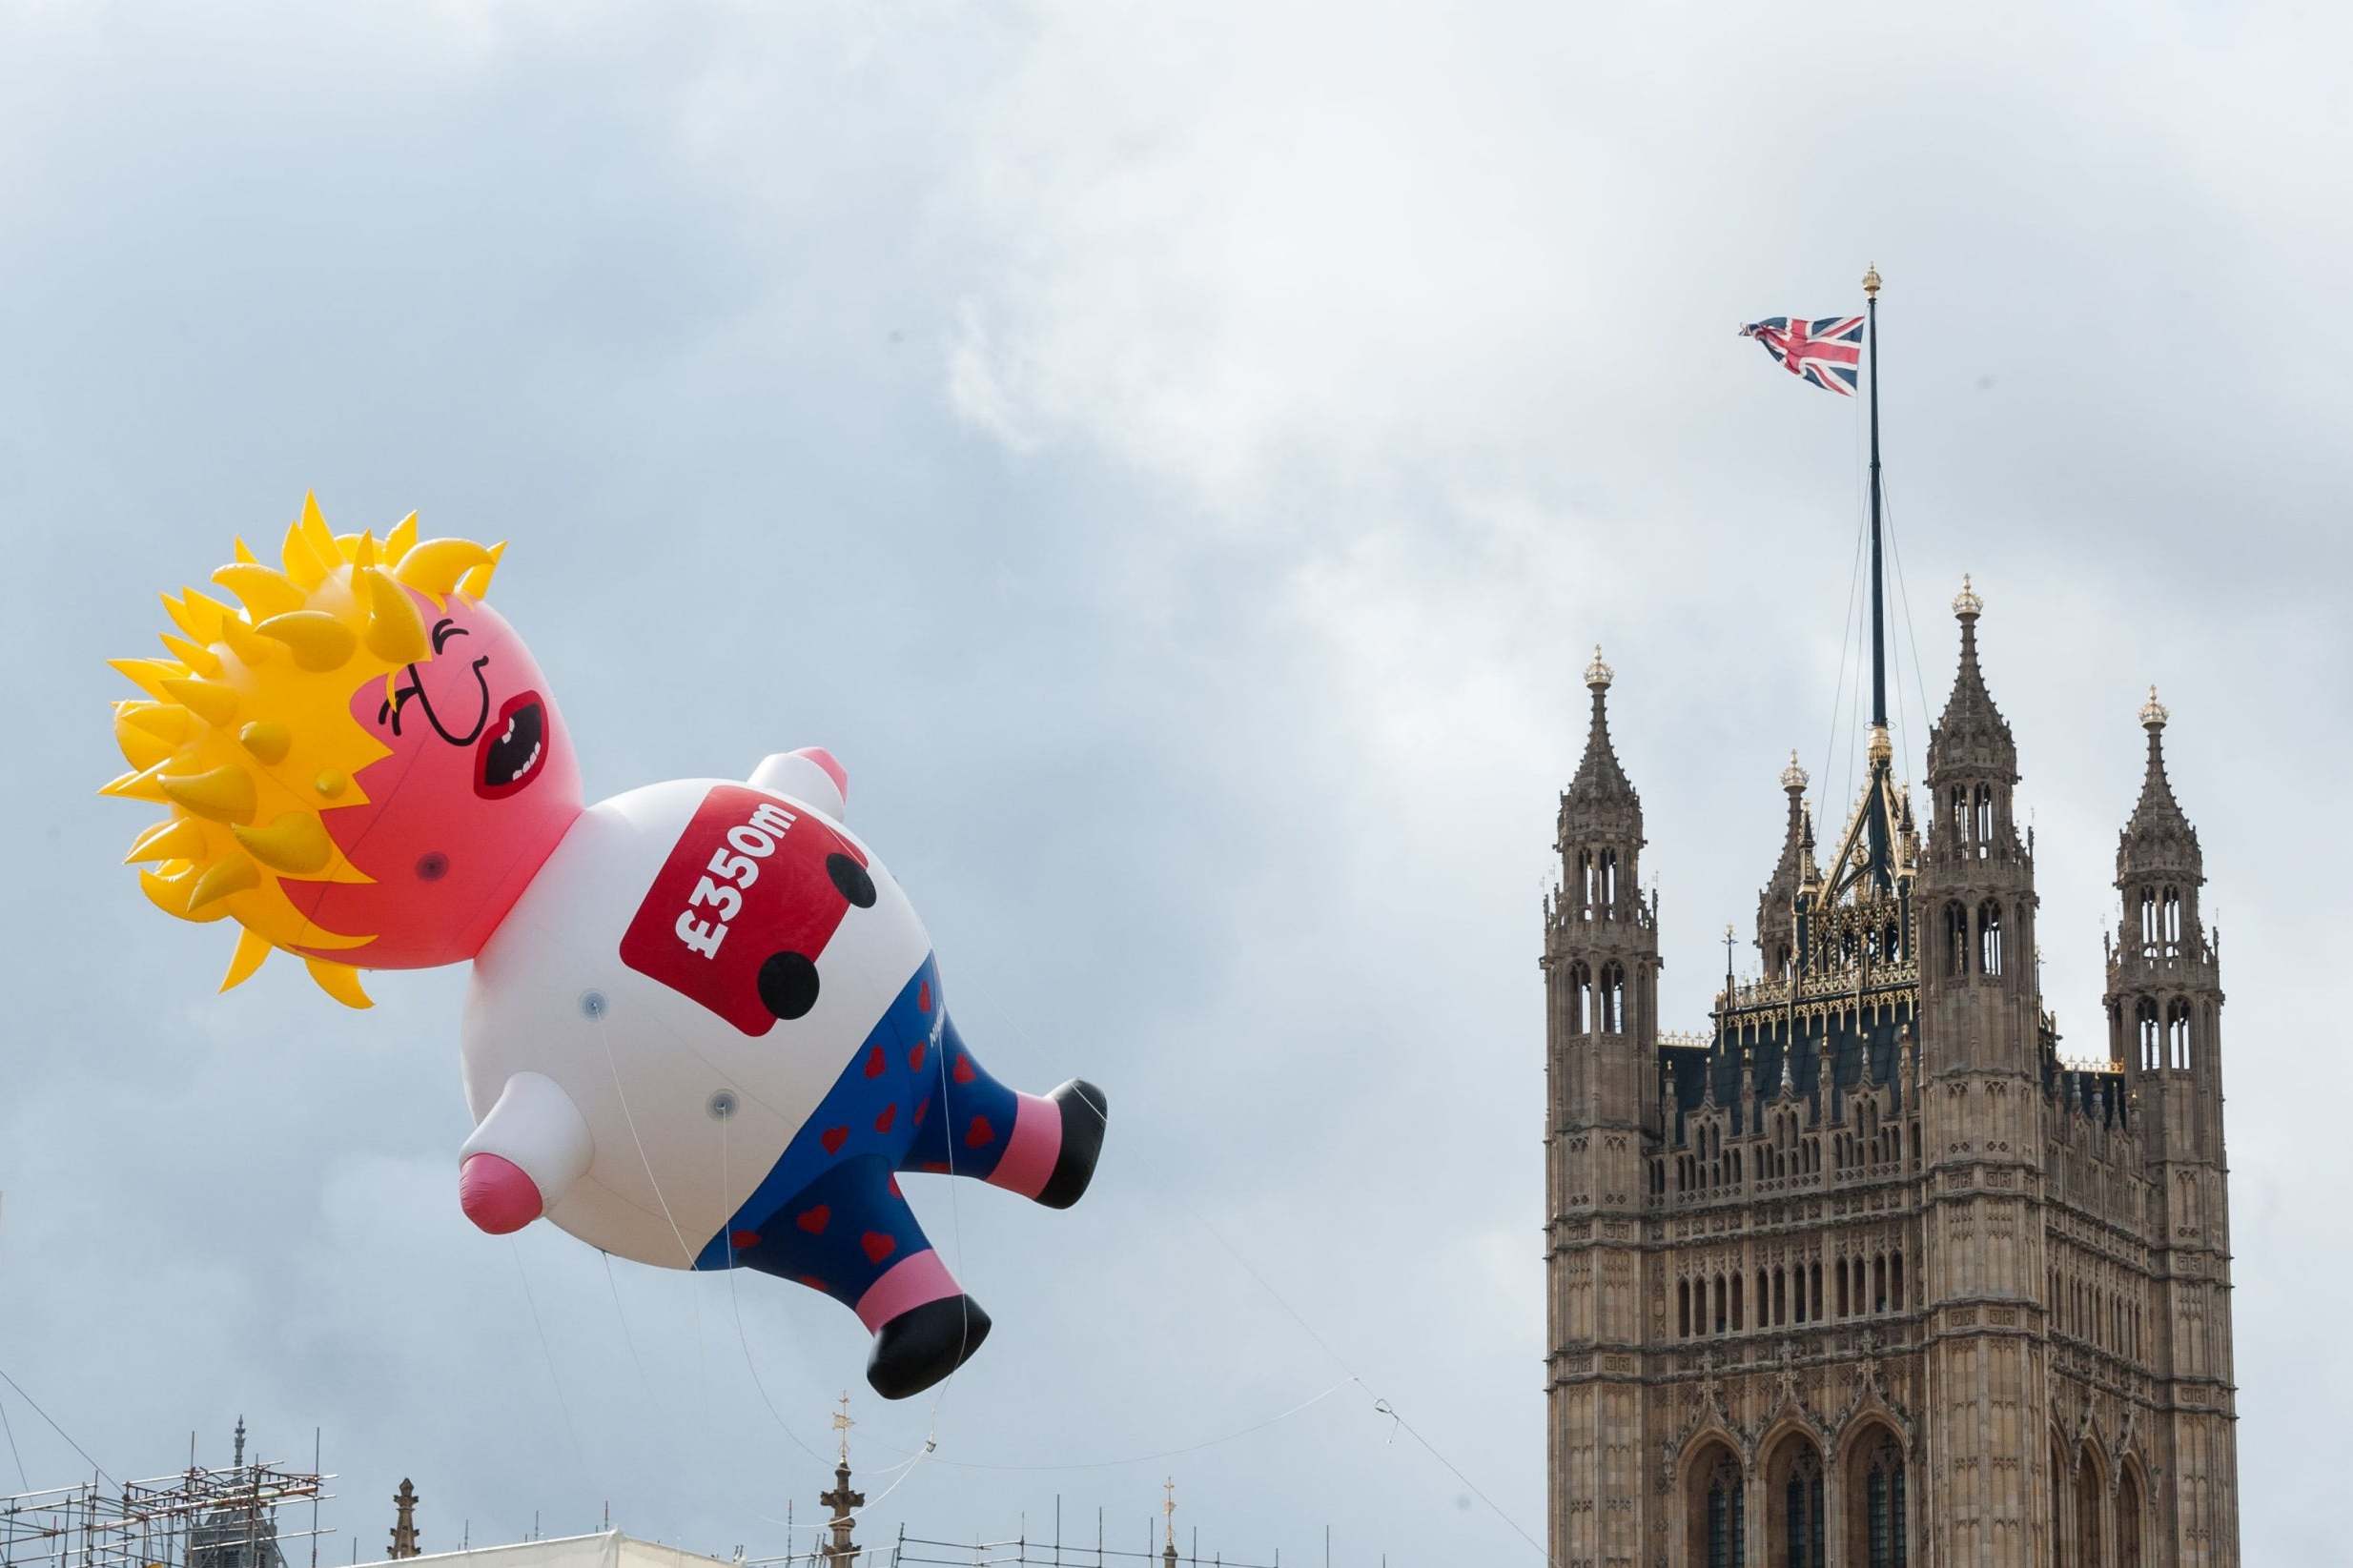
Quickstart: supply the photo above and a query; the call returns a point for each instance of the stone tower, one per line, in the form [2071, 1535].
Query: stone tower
[1980, 1108]
[2164, 1011]
[1866, 1275]
[1601, 966]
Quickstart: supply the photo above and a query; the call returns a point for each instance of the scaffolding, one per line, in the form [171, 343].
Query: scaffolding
[235, 1517]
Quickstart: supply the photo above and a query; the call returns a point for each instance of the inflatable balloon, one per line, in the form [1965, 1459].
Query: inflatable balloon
[705, 1029]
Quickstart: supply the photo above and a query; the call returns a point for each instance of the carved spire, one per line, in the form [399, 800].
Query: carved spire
[2157, 837]
[1797, 855]
[1601, 787]
[1972, 736]
[844, 1502]
[404, 1521]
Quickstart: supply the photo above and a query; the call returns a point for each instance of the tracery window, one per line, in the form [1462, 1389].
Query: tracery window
[1956, 939]
[1612, 999]
[2089, 1493]
[2177, 1034]
[1609, 884]
[2128, 1521]
[1801, 1505]
[1580, 998]
[2173, 920]
[1725, 1514]
[1883, 1508]
[1990, 938]
[2144, 1015]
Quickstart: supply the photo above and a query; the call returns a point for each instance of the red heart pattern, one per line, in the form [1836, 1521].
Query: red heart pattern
[877, 1246]
[833, 1137]
[814, 1220]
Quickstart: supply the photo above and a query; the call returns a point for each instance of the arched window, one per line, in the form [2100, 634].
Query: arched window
[1781, 1295]
[1737, 1315]
[1801, 1513]
[1589, 875]
[2128, 1521]
[1609, 884]
[2144, 1017]
[1580, 999]
[1840, 1268]
[1879, 1283]
[2090, 1492]
[1984, 834]
[1683, 1308]
[1780, 961]
[2149, 926]
[1884, 1544]
[1960, 813]
[2171, 929]
[1719, 1304]
[2178, 1035]
[1725, 1519]
[1896, 1280]
[1612, 999]
[1956, 939]
[1815, 1272]
[1890, 943]
[1990, 937]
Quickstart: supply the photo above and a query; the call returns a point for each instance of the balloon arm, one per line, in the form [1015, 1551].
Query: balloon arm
[810, 774]
[536, 1127]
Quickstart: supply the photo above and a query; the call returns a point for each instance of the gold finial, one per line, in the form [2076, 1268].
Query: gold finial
[1966, 603]
[1793, 777]
[1881, 747]
[1597, 674]
[842, 1424]
[1870, 282]
[2154, 713]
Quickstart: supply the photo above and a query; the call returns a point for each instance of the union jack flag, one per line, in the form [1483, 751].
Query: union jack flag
[1824, 351]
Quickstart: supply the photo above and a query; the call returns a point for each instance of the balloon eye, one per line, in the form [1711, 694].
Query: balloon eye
[389, 711]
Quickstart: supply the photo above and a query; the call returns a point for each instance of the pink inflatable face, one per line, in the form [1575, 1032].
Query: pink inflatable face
[479, 785]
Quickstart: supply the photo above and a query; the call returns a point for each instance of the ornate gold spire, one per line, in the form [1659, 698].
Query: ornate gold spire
[1793, 778]
[1870, 282]
[1597, 674]
[2154, 713]
[1966, 604]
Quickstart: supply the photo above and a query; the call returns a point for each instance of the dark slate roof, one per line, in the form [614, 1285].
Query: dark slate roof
[1689, 1067]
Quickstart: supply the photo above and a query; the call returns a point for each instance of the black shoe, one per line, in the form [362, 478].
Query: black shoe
[1085, 1112]
[924, 1344]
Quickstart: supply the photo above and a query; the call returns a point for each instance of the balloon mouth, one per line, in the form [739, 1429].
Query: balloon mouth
[513, 748]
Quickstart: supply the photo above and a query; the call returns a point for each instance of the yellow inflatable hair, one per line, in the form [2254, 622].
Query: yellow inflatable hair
[246, 732]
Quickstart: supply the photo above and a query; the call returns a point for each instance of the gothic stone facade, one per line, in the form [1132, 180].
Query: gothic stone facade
[1866, 1276]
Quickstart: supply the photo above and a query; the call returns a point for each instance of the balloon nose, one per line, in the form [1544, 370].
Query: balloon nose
[495, 1194]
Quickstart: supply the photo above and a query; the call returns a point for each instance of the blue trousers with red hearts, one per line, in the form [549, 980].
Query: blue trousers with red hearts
[829, 1212]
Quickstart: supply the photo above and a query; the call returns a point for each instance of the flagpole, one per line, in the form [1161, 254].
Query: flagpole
[1878, 614]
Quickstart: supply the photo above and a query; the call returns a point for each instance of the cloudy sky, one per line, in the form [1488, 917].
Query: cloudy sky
[1179, 459]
